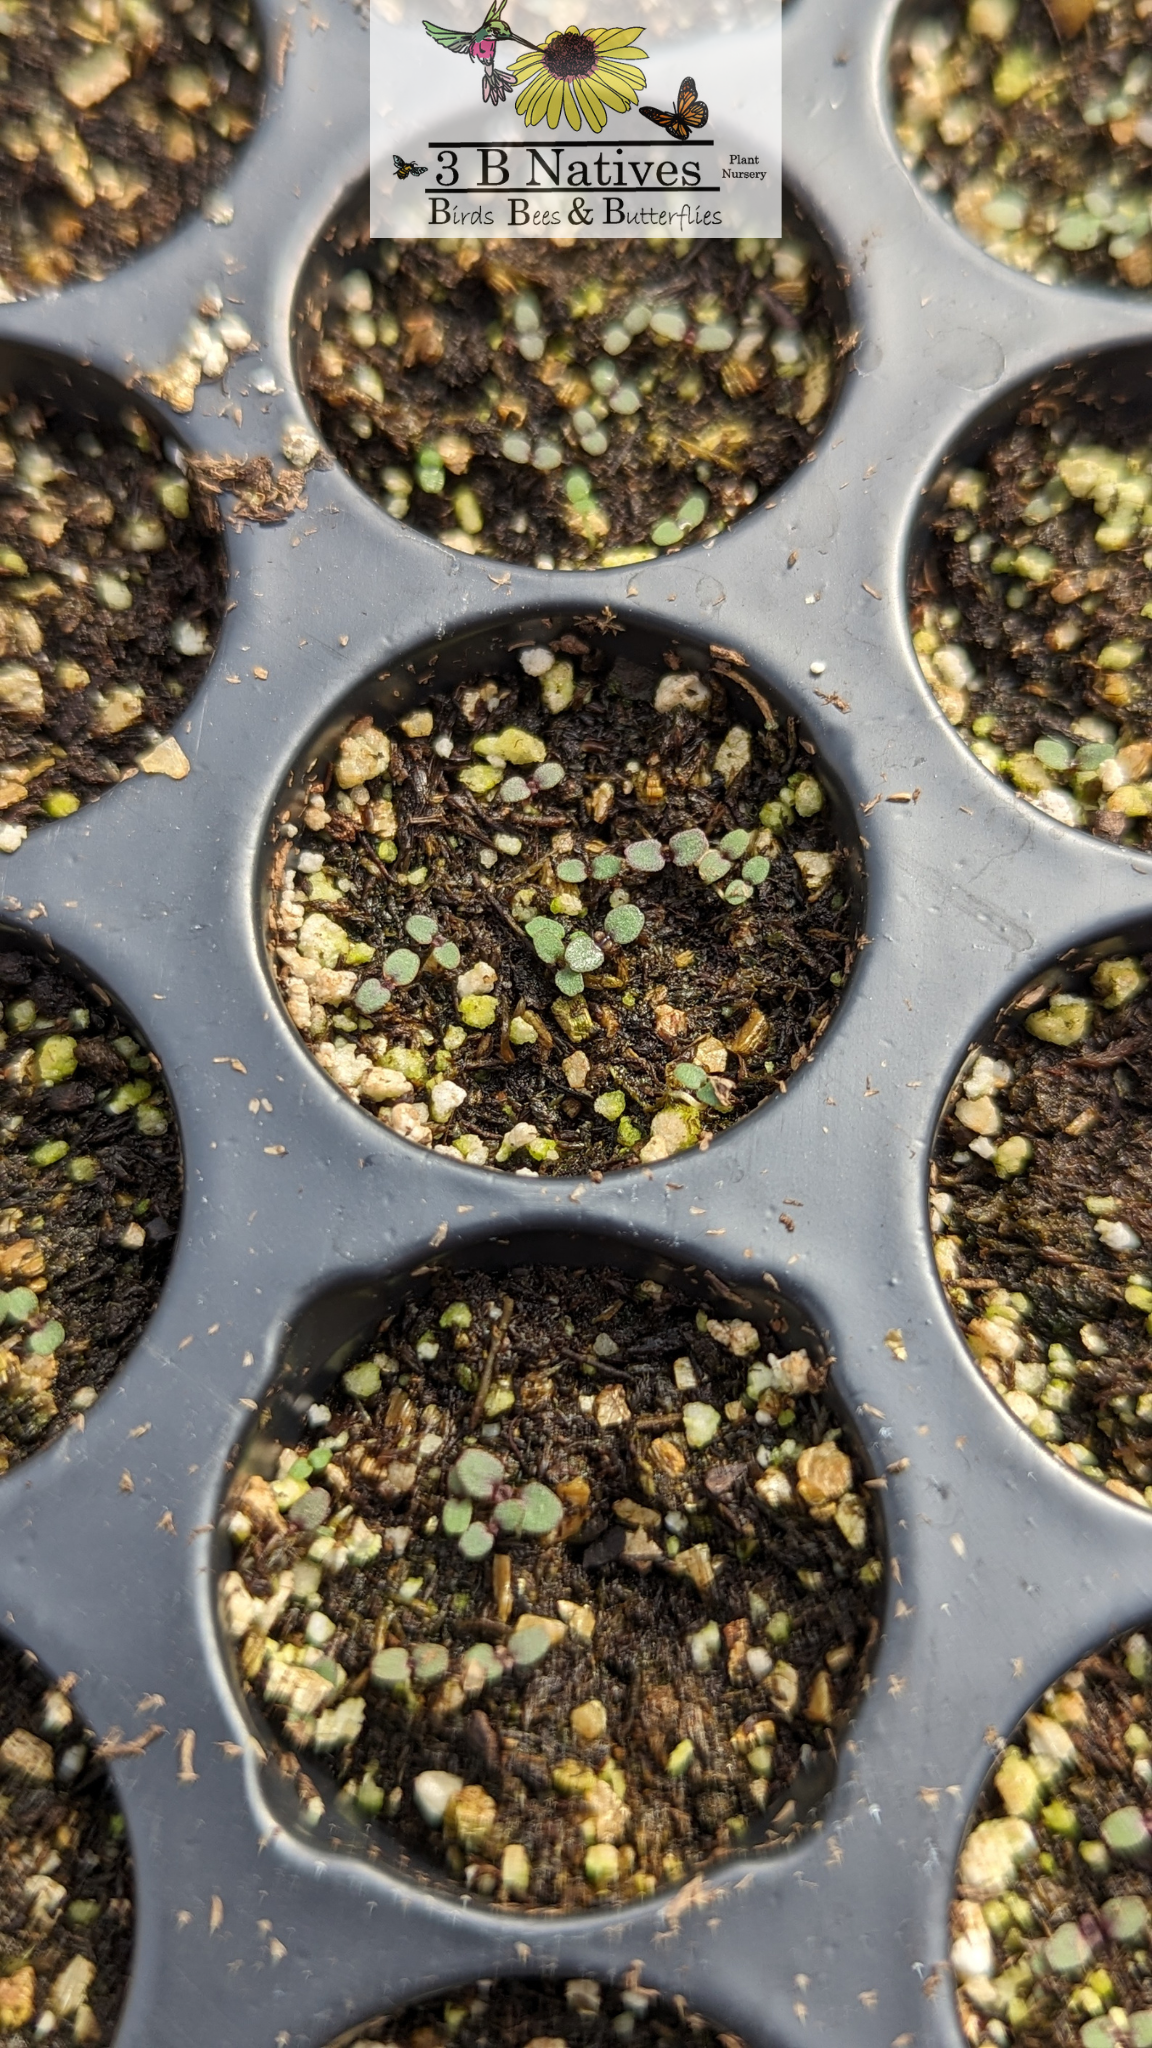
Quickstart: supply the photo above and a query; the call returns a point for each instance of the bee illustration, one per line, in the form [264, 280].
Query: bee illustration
[690, 112]
[404, 170]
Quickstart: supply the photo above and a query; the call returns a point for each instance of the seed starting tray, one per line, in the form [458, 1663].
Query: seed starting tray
[299, 1221]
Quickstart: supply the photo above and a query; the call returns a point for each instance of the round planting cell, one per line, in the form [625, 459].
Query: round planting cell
[1031, 595]
[569, 404]
[582, 910]
[112, 581]
[1034, 119]
[118, 118]
[1051, 1923]
[89, 1197]
[525, 2012]
[1041, 1191]
[66, 1875]
[568, 1577]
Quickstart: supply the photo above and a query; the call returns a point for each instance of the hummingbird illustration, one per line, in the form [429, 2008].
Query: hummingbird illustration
[480, 46]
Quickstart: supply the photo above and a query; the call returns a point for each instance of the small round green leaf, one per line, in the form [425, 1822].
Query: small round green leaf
[391, 1669]
[733, 845]
[582, 954]
[757, 869]
[476, 1475]
[688, 847]
[422, 929]
[402, 966]
[515, 790]
[372, 996]
[548, 775]
[713, 867]
[737, 892]
[645, 856]
[569, 982]
[455, 1516]
[447, 955]
[624, 924]
[530, 1645]
[571, 871]
[688, 1075]
[476, 1542]
[429, 1662]
[547, 937]
[44, 1342]
[606, 867]
[543, 1510]
[508, 1515]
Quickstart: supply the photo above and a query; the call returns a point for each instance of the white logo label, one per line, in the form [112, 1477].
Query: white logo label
[525, 123]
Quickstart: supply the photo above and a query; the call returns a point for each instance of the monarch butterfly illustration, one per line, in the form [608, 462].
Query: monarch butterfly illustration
[404, 170]
[690, 112]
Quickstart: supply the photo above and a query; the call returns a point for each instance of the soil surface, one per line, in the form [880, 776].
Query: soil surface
[568, 1580]
[118, 118]
[65, 1871]
[89, 1199]
[1031, 611]
[1051, 1924]
[112, 580]
[572, 405]
[1042, 1199]
[1041, 140]
[516, 2013]
[588, 935]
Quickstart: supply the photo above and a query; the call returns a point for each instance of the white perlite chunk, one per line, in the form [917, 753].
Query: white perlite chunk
[684, 691]
[362, 756]
[992, 1853]
[434, 1792]
[536, 661]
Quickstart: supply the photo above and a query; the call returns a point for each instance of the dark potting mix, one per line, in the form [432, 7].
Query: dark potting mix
[1032, 609]
[1034, 119]
[118, 117]
[566, 1581]
[1052, 1922]
[572, 404]
[111, 595]
[1042, 1201]
[89, 1199]
[577, 914]
[528, 2012]
[65, 1871]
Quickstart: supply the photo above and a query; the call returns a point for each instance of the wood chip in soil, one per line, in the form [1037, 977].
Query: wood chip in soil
[1051, 1921]
[577, 914]
[567, 1582]
[1042, 1204]
[1034, 119]
[65, 1872]
[90, 1186]
[1031, 609]
[112, 581]
[596, 403]
[118, 119]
